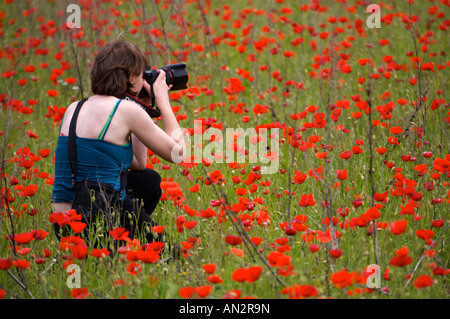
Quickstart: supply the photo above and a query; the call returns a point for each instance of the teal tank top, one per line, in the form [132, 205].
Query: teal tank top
[98, 161]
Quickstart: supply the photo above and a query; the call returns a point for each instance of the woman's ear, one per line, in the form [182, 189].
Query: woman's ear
[133, 81]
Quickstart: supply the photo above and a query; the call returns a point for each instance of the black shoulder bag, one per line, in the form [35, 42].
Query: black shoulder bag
[95, 201]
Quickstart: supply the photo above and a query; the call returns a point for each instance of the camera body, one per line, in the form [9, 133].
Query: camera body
[176, 76]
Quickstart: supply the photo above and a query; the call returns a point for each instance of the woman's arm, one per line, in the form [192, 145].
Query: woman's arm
[139, 154]
[167, 143]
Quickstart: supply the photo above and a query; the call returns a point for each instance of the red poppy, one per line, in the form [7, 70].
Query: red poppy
[256, 240]
[401, 258]
[148, 256]
[5, 263]
[29, 190]
[214, 279]
[21, 263]
[79, 251]
[44, 152]
[398, 227]
[345, 155]
[425, 234]
[119, 234]
[381, 197]
[438, 223]
[158, 229]
[313, 248]
[341, 174]
[298, 292]
[335, 253]
[186, 292]
[343, 278]
[307, 200]
[78, 227]
[190, 224]
[194, 189]
[100, 253]
[134, 268]
[423, 281]
[209, 268]
[52, 93]
[250, 274]
[208, 213]
[80, 293]
[233, 240]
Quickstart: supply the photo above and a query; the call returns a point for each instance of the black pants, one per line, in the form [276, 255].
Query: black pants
[143, 193]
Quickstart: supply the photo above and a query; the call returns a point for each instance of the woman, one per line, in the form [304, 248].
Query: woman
[113, 134]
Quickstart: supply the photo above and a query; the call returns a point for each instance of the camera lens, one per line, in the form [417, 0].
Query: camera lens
[176, 76]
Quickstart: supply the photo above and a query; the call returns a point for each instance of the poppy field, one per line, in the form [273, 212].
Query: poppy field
[318, 150]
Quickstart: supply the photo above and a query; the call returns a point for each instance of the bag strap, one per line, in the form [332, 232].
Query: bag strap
[72, 141]
[73, 149]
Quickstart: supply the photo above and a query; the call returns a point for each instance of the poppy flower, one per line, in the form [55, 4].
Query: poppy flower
[194, 189]
[398, 227]
[380, 197]
[29, 190]
[342, 278]
[345, 155]
[307, 200]
[401, 258]
[23, 238]
[299, 292]
[79, 251]
[52, 93]
[396, 130]
[99, 253]
[77, 227]
[186, 292]
[209, 268]
[31, 134]
[237, 252]
[335, 253]
[80, 293]
[134, 268]
[21, 263]
[233, 240]
[438, 223]
[44, 152]
[423, 281]
[158, 229]
[5, 263]
[190, 224]
[425, 234]
[207, 213]
[24, 251]
[250, 274]
[214, 279]
[119, 234]
[70, 80]
[148, 256]
[341, 174]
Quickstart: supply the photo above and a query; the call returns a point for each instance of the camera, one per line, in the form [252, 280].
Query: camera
[176, 76]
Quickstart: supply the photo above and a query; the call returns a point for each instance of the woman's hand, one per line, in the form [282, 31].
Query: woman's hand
[160, 89]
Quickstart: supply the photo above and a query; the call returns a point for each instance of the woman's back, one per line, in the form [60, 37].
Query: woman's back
[99, 160]
[93, 117]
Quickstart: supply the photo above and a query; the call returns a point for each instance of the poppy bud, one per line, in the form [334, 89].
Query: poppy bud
[290, 231]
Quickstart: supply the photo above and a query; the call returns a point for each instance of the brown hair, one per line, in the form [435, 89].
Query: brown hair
[113, 66]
